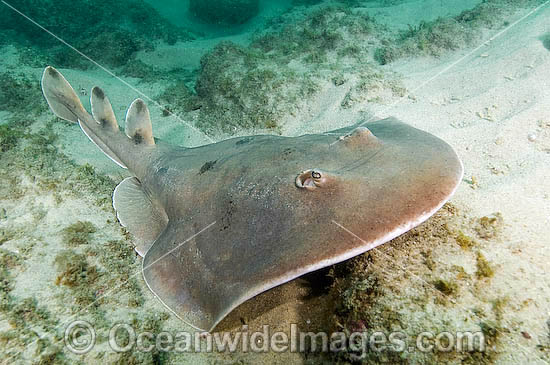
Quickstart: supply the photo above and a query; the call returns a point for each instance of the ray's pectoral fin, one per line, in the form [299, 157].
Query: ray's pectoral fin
[175, 272]
[143, 217]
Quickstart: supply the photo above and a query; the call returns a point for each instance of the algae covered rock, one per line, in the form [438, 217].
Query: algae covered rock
[224, 11]
[241, 88]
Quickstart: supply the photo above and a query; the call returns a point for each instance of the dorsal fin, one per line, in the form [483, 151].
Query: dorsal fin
[60, 96]
[360, 137]
[102, 111]
[138, 123]
[135, 210]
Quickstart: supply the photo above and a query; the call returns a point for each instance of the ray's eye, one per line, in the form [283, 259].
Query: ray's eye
[311, 179]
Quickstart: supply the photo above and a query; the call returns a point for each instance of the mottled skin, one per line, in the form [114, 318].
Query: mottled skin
[273, 221]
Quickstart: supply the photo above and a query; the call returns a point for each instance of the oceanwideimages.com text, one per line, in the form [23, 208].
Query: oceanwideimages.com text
[80, 338]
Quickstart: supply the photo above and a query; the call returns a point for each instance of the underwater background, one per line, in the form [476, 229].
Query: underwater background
[472, 72]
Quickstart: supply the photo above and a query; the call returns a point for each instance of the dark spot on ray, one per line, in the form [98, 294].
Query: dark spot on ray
[243, 141]
[229, 208]
[287, 152]
[138, 138]
[162, 170]
[53, 73]
[207, 166]
[103, 122]
[140, 105]
[98, 93]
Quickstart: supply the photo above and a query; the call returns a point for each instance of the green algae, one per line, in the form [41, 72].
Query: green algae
[27, 312]
[7, 235]
[78, 233]
[434, 38]
[24, 316]
[119, 257]
[80, 277]
[498, 306]
[75, 272]
[446, 287]
[9, 137]
[178, 97]
[484, 268]
[8, 261]
[256, 87]
[464, 241]
[381, 288]
[489, 226]
[239, 90]
[19, 94]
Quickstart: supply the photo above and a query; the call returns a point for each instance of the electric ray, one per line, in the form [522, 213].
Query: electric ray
[221, 223]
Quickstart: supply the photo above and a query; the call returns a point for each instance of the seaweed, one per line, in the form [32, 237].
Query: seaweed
[464, 241]
[27, 312]
[74, 270]
[83, 273]
[491, 331]
[324, 31]
[78, 233]
[484, 268]
[52, 355]
[255, 87]
[489, 226]
[367, 88]
[433, 38]
[445, 286]
[20, 95]
[386, 289]
[178, 97]
[119, 257]
[498, 307]
[239, 90]
[209, 165]
[9, 137]
[8, 261]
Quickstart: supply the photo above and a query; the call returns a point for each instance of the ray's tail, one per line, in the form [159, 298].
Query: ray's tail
[128, 151]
